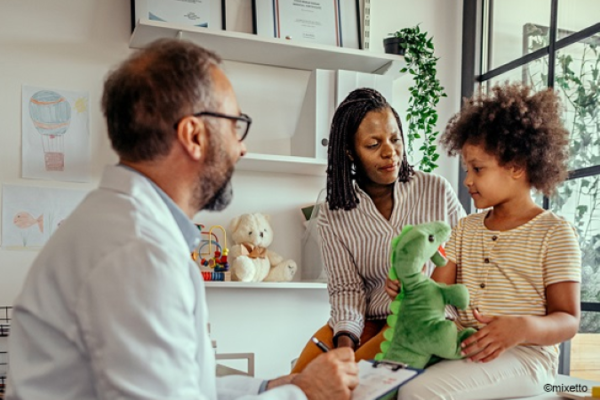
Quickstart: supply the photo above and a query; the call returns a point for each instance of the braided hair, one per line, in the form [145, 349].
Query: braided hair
[341, 170]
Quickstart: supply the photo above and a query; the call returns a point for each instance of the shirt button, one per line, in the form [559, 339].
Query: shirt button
[487, 260]
[482, 285]
[494, 238]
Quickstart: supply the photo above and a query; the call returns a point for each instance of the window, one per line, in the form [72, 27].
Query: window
[553, 43]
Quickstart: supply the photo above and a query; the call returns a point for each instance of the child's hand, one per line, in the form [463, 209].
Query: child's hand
[499, 335]
[392, 287]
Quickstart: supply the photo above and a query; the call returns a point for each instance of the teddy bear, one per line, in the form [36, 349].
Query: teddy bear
[250, 259]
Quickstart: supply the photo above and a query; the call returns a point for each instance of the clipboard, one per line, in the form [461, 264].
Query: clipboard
[380, 380]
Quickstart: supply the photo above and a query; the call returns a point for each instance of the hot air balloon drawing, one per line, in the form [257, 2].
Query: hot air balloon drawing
[51, 116]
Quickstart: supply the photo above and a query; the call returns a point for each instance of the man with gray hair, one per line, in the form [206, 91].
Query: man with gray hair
[113, 306]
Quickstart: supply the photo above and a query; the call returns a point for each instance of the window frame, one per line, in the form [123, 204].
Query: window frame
[477, 28]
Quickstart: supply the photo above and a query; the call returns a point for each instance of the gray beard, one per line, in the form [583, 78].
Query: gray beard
[222, 198]
[214, 191]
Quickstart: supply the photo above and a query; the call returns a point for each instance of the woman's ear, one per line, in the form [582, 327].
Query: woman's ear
[349, 155]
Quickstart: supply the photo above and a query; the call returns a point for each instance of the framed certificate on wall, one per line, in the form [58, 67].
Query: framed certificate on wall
[316, 21]
[201, 13]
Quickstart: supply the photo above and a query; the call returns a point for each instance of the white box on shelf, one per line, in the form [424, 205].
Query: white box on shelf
[325, 91]
[347, 81]
[312, 132]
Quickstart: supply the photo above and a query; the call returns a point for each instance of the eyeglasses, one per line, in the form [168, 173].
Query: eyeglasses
[242, 122]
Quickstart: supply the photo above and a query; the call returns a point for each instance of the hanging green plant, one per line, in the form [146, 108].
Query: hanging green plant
[425, 94]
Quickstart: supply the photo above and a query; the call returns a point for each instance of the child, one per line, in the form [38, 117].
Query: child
[520, 262]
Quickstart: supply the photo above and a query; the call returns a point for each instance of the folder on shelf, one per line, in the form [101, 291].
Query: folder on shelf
[324, 92]
[381, 379]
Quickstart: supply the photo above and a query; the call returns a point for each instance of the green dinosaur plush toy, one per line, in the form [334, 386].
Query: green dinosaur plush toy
[419, 332]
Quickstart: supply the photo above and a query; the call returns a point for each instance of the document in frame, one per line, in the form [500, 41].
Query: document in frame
[380, 381]
[196, 13]
[314, 21]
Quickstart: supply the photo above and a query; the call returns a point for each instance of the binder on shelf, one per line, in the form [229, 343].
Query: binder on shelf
[380, 380]
[325, 91]
[347, 81]
[312, 131]
[364, 17]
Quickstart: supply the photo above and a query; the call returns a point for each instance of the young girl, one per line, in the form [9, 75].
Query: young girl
[520, 262]
[372, 193]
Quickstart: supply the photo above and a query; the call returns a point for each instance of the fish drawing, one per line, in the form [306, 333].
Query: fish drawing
[25, 220]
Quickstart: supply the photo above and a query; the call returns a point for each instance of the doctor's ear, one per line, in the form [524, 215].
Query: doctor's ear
[349, 155]
[191, 134]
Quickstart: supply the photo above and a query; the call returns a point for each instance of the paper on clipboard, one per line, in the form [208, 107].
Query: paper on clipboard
[377, 381]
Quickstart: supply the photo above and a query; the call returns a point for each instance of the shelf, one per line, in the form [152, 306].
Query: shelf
[282, 164]
[253, 49]
[266, 285]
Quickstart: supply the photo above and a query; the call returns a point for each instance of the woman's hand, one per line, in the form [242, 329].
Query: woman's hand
[392, 288]
[499, 335]
[345, 341]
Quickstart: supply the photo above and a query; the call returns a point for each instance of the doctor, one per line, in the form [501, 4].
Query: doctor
[113, 307]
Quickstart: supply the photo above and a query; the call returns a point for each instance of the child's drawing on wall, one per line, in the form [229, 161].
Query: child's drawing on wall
[30, 215]
[55, 128]
[24, 221]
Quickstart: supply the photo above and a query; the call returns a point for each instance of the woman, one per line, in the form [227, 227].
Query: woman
[372, 192]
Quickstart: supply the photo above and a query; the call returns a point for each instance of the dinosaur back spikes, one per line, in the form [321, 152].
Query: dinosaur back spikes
[395, 305]
[391, 320]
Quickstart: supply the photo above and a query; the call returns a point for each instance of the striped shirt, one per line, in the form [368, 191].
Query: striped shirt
[356, 246]
[507, 272]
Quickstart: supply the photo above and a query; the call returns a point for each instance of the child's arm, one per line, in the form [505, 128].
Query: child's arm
[562, 321]
[445, 274]
[502, 333]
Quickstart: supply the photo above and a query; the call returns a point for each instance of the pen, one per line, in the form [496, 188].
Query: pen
[320, 345]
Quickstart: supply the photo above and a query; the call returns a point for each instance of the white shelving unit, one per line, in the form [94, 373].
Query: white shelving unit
[266, 285]
[275, 52]
[253, 49]
[282, 164]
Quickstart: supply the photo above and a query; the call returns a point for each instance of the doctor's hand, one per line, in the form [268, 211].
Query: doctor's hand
[330, 376]
[498, 335]
[392, 288]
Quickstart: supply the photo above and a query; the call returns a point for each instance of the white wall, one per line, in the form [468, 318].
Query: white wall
[67, 44]
[71, 44]
[443, 21]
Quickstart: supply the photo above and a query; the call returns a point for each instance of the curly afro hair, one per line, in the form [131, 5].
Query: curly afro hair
[519, 128]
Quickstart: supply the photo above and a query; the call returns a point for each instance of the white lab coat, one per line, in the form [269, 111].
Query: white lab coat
[114, 308]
